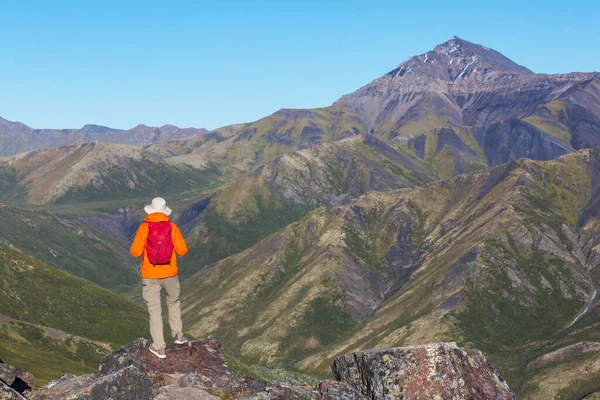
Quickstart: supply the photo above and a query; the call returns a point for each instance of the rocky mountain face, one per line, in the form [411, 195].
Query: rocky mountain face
[16, 137]
[509, 247]
[200, 371]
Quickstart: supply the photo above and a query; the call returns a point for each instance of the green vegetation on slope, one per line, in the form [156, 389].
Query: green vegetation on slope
[37, 293]
[46, 357]
[565, 373]
[226, 236]
[11, 192]
[66, 247]
[498, 313]
[153, 179]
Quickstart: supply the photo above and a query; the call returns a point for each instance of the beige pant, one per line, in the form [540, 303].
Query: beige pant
[151, 293]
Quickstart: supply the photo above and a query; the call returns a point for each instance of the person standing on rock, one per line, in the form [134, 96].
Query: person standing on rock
[158, 241]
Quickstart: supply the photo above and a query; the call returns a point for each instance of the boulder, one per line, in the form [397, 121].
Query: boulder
[18, 379]
[125, 384]
[199, 363]
[187, 393]
[422, 372]
[8, 393]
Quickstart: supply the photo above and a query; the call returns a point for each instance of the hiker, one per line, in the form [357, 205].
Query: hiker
[158, 240]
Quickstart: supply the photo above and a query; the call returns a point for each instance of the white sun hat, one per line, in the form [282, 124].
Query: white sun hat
[158, 205]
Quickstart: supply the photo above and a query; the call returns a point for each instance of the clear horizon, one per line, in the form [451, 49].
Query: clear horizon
[206, 65]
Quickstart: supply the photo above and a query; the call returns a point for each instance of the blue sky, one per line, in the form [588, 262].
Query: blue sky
[213, 63]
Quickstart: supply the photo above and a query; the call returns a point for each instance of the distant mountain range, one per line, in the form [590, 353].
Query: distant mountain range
[16, 137]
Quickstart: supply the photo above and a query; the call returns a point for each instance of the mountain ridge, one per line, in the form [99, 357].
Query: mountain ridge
[16, 137]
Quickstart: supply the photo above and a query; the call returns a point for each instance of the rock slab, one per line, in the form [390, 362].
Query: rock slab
[126, 384]
[434, 371]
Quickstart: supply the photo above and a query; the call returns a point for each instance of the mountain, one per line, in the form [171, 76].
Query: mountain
[16, 137]
[243, 182]
[283, 190]
[246, 146]
[471, 105]
[51, 321]
[96, 171]
[144, 135]
[457, 108]
[504, 258]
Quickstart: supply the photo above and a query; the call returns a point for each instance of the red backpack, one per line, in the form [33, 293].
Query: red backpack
[159, 244]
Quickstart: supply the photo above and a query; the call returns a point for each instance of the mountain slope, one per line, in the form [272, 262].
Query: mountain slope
[16, 137]
[37, 293]
[279, 192]
[69, 246]
[47, 314]
[47, 352]
[499, 258]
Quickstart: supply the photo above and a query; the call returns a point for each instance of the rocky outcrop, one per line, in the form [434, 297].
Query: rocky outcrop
[199, 364]
[422, 372]
[17, 379]
[8, 393]
[194, 371]
[332, 390]
[198, 371]
[126, 384]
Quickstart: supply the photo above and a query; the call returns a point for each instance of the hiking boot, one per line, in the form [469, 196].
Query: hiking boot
[180, 339]
[160, 353]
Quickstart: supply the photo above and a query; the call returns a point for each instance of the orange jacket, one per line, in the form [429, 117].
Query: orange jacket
[138, 248]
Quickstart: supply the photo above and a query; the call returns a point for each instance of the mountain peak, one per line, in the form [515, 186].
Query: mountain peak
[457, 59]
[141, 126]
